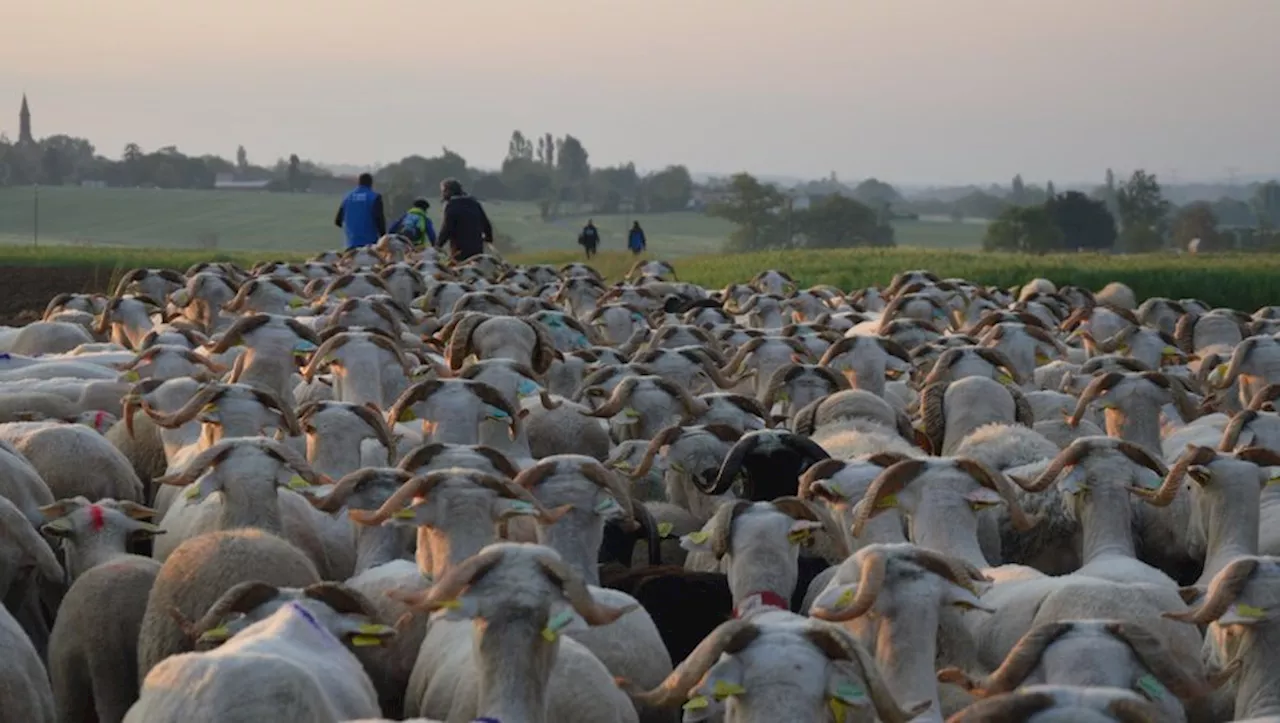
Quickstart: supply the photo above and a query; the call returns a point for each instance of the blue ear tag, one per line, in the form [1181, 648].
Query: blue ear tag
[495, 413]
[555, 322]
[526, 388]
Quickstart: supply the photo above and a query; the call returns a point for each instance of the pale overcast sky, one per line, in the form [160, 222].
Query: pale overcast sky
[907, 90]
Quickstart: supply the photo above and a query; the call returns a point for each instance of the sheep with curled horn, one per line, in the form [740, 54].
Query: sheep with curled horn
[1251, 367]
[616, 323]
[452, 410]
[697, 369]
[125, 320]
[228, 410]
[599, 384]
[1025, 346]
[498, 337]
[958, 363]
[482, 302]
[592, 495]
[670, 336]
[267, 340]
[164, 361]
[1217, 330]
[794, 386]
[343, 437]
[761, 311]
[951, 411]
[693, 456]
[761, 357]
[867, 361]
[910, 333]
[855, 422]
[367, 366]
[646, 404]
[1054, 703]
[1133, 404]
[566, 332]
[1239, 610]
[1095, 653]
[353, 284]
[153, 283]
[769, 461]
[1153, 348]
[1102, 321]
[782, 668]
[267, 295]
[738, 411]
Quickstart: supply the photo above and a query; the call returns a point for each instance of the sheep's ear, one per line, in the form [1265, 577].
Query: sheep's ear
[422, 514]
[847, 695]
[723, 681]
[834, 598]
[982, 498]
[562, 618]
[698, 541]
[1241, 613]
[801, 532]
[965, 599]
[196, 492]
[60, 527]
[504, 509]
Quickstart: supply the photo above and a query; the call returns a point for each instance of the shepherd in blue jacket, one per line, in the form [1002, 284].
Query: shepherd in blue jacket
[361, 215]
[635, 240]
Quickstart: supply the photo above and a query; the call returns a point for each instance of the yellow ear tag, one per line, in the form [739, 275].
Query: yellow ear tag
[1004, 378]
[297, 483]
[365, 641]
[723, 689]
[837, 709]
[1251, 612]
[845, 599]
[449, 604]
[1169, 351]
[296, 301]
[698, 702]
[631, 413]
[623, 465]
[1042, 358]
[209, 409]
[217, 634]
[978, 506]
[664, 529]
[796, 537]
[887, 502]
[192, 492]
[556, 624]
[784, 396]
[677, 467]
[404, 514]
[699, 537]
[132, 376]
[406, 415]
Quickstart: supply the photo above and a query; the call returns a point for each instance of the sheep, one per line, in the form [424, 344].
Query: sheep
[866, 361]
[269, 345]
[201, 300]
[769, 462]
[1254, 363]
[563, 427]
[47, 337]
[93, 648]
[343, 437]
[75, 461]
[692, 368]
[1133, 403]
[200, 571]
[616, 323]
[764, 356]
[363, 365]
[629, 647]
[1237, 610]
[85, 395]
[21, 484]
[126, 319]
[895, 599]
[15, 405]
[740, 412]
[694, 456]
[855, 422]
[248, 473]
[951, 411]
[1052, 703]
[517, 664]
[452, 410]
[1091, 654]
[781, 668]
[495, 337]
[25, 693]
[290, 665]
[29, 574]
[166, 361]
[794, 386]
[645, 404]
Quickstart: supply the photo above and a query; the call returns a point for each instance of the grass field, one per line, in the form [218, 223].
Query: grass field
[240, 221]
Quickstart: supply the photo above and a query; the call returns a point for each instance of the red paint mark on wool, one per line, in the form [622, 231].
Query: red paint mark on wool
[95, 518]
[97, 420]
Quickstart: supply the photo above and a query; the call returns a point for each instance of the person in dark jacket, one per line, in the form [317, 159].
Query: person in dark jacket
[415, 225]
[635, 239]
[589, 239]
[465, 226]
[361, 216]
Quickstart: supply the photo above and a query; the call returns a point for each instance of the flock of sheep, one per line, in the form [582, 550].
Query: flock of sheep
[378, 486]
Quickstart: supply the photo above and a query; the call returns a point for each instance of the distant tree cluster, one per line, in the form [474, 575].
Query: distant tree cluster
[64, 160]
[766, 218]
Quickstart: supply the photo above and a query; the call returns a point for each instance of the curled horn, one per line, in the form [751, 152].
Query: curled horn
[242, 598]
[891, 481]
[824, 470]
[579, 596]
[1223, 591]
[806, 420]
[330, 345]
[1184, 332]
[133, 276]
[717, 375]
[730, 467]
[494, 398]
[1017, 665]
[1238, 357]
[605, 480]
[1173, 481]
[933, 415]
[667, 436]
[392, 346]
[460, 338]
[415, 394]
[241, 326]
[838, 644]
[1155, 655]
[1231, 435]
[741, 356]
[1066, 458]
[208, 394]
[1096, 387]
[721, 526]
[1261, 456]
[54, 304]
[1181, 402]
[453, 583]
[1265, 396]
[617, 400]
[800, 509]
[346, 486]
[693, 407]
[133, 399]
[1022, 412]
[544, 351]
[870, 582]
[1001, 485]
[730, 637]
[999, 360]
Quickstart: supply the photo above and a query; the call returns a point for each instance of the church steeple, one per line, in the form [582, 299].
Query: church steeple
[24, 123]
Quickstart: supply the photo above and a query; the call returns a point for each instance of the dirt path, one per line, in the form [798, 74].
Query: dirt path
[26, 290]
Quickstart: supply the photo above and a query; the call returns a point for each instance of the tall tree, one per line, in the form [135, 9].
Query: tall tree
[839, 222]
[670, 189]
[1266, 204]
[575, 169]
[753, 206]
[1026, 229]
[295, 173]
[1144, 213]
[1018, 191]
[876, 193]
[132, 153]
[1196, 224]
[242, 158]
[1084, 222]
[1049, 191]
[519, 147]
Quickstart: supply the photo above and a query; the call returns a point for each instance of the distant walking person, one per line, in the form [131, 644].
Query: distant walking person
[589, 239]
[415, 225]
[361, 214]
[635, 240]
[465, 226]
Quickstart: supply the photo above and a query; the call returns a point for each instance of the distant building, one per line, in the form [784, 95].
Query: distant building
[228, 182]
[24, 124]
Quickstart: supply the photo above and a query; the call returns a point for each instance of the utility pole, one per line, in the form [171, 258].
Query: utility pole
[35, 215]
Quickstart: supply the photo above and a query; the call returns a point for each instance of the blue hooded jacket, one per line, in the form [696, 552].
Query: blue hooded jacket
[361, 217]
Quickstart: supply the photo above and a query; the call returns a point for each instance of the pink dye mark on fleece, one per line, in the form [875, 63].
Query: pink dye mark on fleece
[96, 520]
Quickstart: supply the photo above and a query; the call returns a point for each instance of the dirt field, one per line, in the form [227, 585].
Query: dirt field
[25, 290]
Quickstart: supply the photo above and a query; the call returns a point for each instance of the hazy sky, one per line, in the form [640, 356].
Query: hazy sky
[906, 90]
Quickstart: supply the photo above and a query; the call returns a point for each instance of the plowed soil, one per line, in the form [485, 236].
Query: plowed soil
[25, 290]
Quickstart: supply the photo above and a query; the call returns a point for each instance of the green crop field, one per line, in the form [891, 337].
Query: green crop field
[245, 220]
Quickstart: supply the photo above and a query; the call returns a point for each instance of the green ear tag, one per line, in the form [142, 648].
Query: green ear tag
[664, 529]
[556, 624]
[724, 689]
[698, 702]
[1151, 687]
[851, 693]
